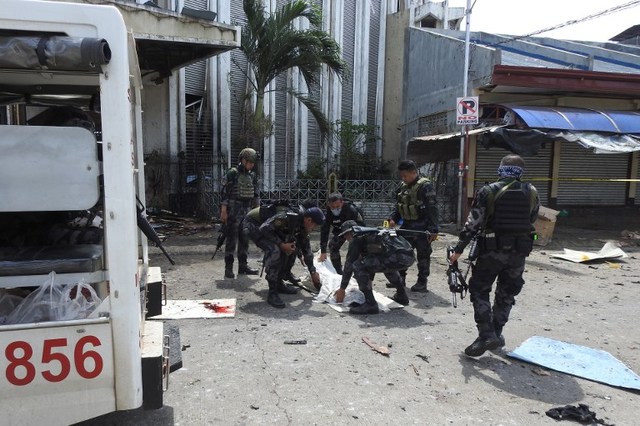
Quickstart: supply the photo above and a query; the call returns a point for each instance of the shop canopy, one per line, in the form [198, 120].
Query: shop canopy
[606, 132]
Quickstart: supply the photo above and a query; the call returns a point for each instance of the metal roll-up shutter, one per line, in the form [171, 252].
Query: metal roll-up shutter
[636, 175]
[195, 74]
[537, 169]
[347, 45]
[583, 177]
[283, 150]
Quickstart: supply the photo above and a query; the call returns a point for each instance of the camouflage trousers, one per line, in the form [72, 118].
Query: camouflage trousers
[276, 262]
[508, 268]
[423, 257]
[364, 274]
[236, 211]
[335, 244]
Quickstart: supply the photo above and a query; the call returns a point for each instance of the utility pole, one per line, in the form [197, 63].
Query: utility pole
[464, 133]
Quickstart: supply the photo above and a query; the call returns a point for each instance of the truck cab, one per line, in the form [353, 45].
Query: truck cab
[71, 184]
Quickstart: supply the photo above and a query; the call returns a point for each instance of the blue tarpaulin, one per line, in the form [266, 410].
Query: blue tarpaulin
[580, 361]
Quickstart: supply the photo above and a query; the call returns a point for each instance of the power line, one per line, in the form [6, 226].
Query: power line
[613, 9]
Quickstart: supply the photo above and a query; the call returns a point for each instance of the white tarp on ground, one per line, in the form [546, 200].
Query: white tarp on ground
[580, 361]
[331, 282]
[610, 250]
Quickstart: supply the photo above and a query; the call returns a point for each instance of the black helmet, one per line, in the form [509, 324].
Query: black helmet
[347, 226]
[249, 154]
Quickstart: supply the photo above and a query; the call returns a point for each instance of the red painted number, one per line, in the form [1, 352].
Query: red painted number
[21, 371]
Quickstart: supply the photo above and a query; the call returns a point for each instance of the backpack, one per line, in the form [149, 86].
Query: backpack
[388, 252]
[358, 209]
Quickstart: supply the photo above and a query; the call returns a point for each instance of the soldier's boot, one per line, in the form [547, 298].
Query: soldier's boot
[272, 298]
[403, 275]
[420, 286]
[401, 295]
[370, 306]
[246, 270]
[228, 267]
[486, 341]
[288, 276]
[337, 264]
[498, 330]
[285, 288]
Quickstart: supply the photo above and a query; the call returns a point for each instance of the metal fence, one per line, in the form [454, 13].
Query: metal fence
[197, 197]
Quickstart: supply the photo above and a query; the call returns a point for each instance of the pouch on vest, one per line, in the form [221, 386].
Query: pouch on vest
[397, 254]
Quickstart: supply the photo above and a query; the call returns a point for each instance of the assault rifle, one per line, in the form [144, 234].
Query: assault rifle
[457, 282]
[148, 230]
[221, 238]
[390, 231]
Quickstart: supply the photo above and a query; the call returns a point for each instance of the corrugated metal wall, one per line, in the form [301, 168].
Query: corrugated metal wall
[347, 45]
[592, 169]
[195, 74]
[283, 150]
[237, 82]
[537, 170]
[374, 42]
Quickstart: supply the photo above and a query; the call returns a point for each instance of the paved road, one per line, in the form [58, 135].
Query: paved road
[239, 370]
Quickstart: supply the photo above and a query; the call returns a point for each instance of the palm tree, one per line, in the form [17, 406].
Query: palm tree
[273, 46]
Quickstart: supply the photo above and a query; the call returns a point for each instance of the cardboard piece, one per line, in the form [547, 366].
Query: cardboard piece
[610, 250]
[545, 225]
[183, 309]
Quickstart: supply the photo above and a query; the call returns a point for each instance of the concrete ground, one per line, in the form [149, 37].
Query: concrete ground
[240, 371]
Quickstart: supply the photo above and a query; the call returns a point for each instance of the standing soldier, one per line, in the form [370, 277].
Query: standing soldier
[371, 252]
[281, 235]
[239, 194]
[503, 214]
[338, 212]
[416, 210]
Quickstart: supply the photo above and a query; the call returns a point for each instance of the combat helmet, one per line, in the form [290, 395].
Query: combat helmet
[249, 154]
[347, 226]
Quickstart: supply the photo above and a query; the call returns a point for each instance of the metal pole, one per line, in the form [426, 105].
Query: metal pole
[461, 164]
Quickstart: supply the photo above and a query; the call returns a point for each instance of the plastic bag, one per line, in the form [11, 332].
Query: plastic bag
[55, 302]
[331, 282]
[8, 303]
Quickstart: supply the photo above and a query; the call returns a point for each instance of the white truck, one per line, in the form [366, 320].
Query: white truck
[78, 57]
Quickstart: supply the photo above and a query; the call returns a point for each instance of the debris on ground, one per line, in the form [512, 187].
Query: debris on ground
[380, 349]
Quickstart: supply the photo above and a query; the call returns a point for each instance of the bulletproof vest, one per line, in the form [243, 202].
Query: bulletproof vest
[244, 186]
[509, 208]
[408, 202]
[387, 253]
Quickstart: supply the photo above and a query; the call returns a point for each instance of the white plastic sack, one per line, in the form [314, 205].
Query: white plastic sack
[55, 302]
[331, 283]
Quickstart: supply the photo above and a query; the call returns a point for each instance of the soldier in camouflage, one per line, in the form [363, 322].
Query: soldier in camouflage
[240, 193]
[338, 212]
[502, 213]
[281, 235]
[416, 210]
[364, 258]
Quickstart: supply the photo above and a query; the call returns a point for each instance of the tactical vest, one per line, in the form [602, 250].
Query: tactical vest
[408, 202]
[244, 185]
[387, 253]
[509, 207]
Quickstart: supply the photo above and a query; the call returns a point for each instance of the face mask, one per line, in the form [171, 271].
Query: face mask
[336, 212]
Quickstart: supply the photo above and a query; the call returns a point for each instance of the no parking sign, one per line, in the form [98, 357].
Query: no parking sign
[467, 110]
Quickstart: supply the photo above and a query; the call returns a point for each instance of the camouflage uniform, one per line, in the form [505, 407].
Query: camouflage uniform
[364, 259]
[283, 227]
[506, 262]
[240, 193]
[333, 224]
[416, 208]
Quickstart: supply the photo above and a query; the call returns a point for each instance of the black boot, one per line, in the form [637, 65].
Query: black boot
[228, 267]
[246, 270]
[500, 336]
[486, 341]
[272, 298]
[401, 295]
[420, 286]
[288, 276]
[285, 289]
[370, 306]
